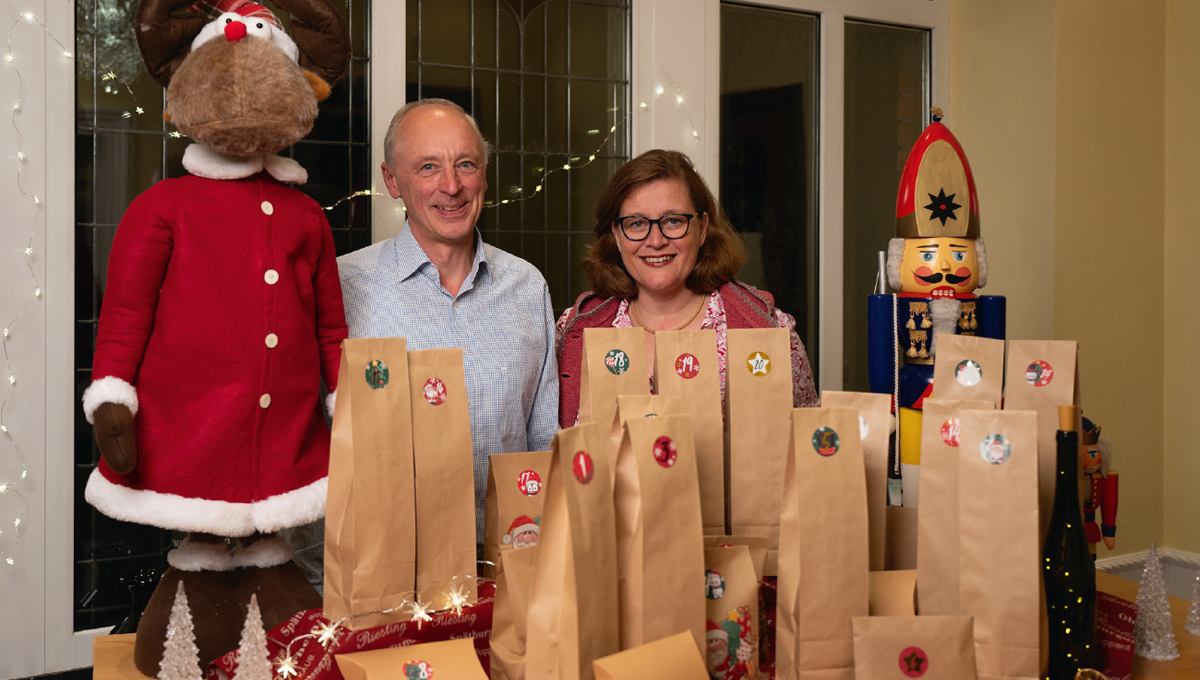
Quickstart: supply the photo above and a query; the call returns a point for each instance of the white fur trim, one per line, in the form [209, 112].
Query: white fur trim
[981, 252]
[945, 313]
[330, 402]
[275, 34]
[263, 553]
[222, 518]
[285, 170]
[895, 254]
[202, 161]
[197, 556]
[109, 390]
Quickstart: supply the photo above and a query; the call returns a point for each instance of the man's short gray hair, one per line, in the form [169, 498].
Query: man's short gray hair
[389, 140]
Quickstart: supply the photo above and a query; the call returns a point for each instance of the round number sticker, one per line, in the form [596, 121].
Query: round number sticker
[1039, 373]
[583, 468]
[758, 363]
[687, 366]
[377, 374]
[665, 452]
[863, 428]
[616, 361]
[968, 373]
[435, 391]
[950, 432]
[913, 662]
[714, 584]
[995, 449]
[825, 441]
[529, 482]
[417, 670]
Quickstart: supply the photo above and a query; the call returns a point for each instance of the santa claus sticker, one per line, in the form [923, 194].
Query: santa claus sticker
[687, 366]
[582, 467]
[377, 374]
[730, 646]
[417, 670]
[435, 392]
[949, 432]
[995, 449]
[523, 532]
[529, 482]
[968, 373]
[1039, 373]
[616, 361]
[665, 452]
[914, 662]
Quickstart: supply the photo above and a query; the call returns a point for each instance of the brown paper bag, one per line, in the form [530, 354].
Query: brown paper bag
[999, 564]
[451, 659]
[926, 647]
[370, 532]
[671, 658]
[758, 403]
[573, 602]
[968, 367]
[512, 509]
[660, 542]
[509, 613]
[614, 362]
[874, 423]
[445, 470]
[756, 544]
[1042, 375]
[732, 631]
[893, 592]
[822, 546]
[640, 406]
[937, 523]
[901, 552]
[686, 366]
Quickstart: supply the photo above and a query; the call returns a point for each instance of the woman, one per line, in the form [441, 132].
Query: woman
[664, 259]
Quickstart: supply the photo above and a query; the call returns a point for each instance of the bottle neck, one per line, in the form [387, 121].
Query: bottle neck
[1067, 480]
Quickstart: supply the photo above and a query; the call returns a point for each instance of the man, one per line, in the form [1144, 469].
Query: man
[439, 285]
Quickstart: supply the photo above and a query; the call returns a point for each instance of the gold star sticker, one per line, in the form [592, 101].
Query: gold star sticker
[419, 611]
[458, 598]
[759, 363]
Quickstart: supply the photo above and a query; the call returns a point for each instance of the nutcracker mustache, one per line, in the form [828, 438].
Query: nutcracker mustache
[937, 278]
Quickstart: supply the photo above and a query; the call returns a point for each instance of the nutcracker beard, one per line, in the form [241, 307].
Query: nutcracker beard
[945, 313]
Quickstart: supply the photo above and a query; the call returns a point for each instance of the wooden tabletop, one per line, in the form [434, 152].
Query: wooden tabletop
[1188, 663]
[112, 658]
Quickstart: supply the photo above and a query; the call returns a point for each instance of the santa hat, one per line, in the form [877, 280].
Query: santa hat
[519, 526]
[715, 632]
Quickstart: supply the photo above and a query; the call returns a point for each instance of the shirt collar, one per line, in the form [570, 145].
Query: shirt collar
[411, 257]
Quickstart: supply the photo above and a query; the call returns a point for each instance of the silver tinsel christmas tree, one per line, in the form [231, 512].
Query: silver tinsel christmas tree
[1193, 620]
[1153, 635]
[253, 662]
[181, 657]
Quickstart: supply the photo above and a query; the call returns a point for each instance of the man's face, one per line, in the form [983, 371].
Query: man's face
[441, 175]
[718, 652]
[939, 267]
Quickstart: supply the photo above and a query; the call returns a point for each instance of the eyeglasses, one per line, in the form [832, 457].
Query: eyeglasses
[672, 226]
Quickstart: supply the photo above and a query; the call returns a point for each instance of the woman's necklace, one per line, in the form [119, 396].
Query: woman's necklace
[633, 312]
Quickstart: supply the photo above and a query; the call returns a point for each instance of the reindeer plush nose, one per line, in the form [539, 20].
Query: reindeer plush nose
[235, 31]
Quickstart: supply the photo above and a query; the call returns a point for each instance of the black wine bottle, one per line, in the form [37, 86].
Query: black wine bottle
[1070, 574]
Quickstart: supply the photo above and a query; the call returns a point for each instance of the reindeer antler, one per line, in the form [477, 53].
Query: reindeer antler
[165, 40]
[322, 37]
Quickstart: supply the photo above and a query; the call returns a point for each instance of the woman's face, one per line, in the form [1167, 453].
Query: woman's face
[659, 265]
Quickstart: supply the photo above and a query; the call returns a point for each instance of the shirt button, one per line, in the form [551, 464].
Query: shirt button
[271, 277]
[267, 208]
[272, 340]
[264, 401]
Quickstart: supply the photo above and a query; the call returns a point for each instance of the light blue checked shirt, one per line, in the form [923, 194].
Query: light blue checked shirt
[501, 317]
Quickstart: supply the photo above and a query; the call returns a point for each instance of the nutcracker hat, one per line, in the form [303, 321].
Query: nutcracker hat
[937, 190]
[1091, 433]
[715, 632]
[519, 526]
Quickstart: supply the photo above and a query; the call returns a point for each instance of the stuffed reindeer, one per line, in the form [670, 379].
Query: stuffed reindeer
[222, 314]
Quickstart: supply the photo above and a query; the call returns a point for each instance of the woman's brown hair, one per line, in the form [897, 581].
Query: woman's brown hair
[720, 257]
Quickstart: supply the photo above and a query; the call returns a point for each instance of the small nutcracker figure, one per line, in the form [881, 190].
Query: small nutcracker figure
[936, 262]
[1099, 489]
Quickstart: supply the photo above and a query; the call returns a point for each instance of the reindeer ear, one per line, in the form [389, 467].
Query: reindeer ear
[165, 40]
[322, 37]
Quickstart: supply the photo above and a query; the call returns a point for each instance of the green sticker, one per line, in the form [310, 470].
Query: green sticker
[616, 361]
[377, 374]
[825, 441]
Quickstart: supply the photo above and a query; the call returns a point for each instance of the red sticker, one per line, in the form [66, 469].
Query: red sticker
[529, 482]
[583, 468]
[687, 366]
[913, 662]
[1039, 373]
[950, 432]
[435, 391]
[665, 452]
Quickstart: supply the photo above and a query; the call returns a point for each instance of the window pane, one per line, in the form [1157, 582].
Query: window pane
[768, 170]
[887, 99]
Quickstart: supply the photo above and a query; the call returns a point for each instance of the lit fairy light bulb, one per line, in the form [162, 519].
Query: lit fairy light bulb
[679, 98]
[17, 522]
[3, 488]
[29, 251]
[9, 57]
[16, 106]
[642, 105]
[566, 166]
[37, 292]
[591, 158]
[20, 155]
[68, 55]
[12, 379]
[658, 90]
[29, 17]
[9, 560]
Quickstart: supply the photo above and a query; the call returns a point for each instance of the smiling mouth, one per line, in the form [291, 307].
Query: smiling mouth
[660, 259]
[450, 208]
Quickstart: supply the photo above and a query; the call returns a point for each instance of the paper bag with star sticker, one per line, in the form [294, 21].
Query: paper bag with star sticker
[758, 407]
[926, 647]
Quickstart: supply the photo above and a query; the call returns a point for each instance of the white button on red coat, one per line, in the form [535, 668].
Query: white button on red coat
[271, 277]
[272, 339]
[264, 401]
[267, 208]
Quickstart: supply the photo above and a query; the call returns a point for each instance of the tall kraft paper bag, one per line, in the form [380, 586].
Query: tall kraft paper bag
[445, 470]
[758, 405]
[512, 508]
[634, 406]
[874, 423]
[614, 362]
[937, 523]
[686, 366]
[1042, 374]
[671, 658]
[968, 367]
[573, 604]
[660, 541]
[731, 632]
[999, 564]
[370, 529]
[823, 554]
[510, 624]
